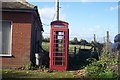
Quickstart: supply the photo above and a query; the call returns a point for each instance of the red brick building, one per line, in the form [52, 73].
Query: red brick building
[20, 34]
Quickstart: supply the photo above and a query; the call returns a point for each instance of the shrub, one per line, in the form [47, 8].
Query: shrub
[29, 66]
[102, 68]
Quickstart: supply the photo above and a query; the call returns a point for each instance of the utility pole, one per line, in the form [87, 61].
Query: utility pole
[57, 18]
[57, 10]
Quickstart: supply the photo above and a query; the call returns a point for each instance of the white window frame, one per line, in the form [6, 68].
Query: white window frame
[9, 54]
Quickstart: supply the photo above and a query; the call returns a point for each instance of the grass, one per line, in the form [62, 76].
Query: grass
[71, 48]
[10, 73]
[46, 45]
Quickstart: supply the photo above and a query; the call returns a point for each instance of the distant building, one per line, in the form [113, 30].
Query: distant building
[20, 34]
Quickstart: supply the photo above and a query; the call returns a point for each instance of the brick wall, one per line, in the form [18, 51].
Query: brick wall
[21, 39]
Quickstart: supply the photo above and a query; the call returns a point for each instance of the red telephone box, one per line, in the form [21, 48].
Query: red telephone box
[59, 40]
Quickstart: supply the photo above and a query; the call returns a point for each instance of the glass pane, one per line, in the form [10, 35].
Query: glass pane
[6, 37]
[0, 37]
[58, 63]
[58, 59]
[60, 33]
[60, 26]
[58, 54]
[60, 37]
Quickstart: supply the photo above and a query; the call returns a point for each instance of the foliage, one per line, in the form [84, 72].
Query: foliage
[71, 42]
[83, 42]
[75, 40]
[104, 68]
[29, 66]
[45, 46]
[46, 39]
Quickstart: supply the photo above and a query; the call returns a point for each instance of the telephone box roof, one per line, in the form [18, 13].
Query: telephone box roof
[59, 22]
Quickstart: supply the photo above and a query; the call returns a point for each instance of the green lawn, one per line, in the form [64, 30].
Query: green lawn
[46, 45]
[71, 48]
[10, 73]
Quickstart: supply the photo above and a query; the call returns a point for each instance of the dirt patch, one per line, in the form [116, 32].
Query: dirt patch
[80, 73]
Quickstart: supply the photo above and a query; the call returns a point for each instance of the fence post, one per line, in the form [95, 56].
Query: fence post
[94, 42]
[94, 38]
[74, 51]
[107, 42]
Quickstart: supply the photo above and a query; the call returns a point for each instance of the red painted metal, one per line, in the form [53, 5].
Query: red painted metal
[59, 40]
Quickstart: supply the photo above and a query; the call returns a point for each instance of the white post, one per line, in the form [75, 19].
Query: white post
[37, 58]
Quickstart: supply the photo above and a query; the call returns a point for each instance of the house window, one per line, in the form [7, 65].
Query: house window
[5, 38]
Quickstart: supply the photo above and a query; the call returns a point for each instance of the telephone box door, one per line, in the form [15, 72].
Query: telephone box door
[59, 47]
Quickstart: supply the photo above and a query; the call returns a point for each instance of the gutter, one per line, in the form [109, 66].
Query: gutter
[17, 10]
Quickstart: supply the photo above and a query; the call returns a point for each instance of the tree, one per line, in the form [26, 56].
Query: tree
[83, 42]
[75, 40]
[71, 42]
